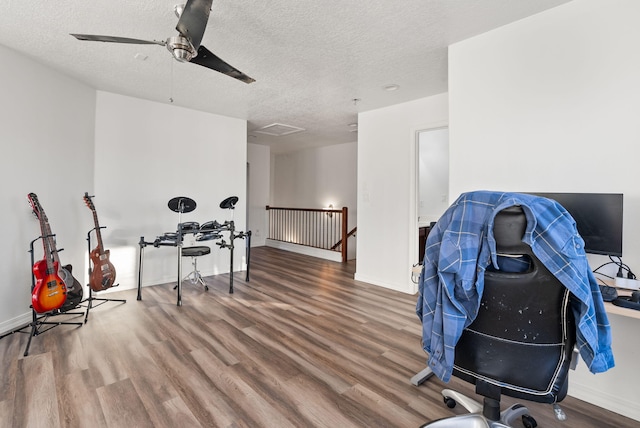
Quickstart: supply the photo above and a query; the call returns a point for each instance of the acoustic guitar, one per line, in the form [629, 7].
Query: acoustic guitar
[74, 291]
[103, 274]
[50, 291]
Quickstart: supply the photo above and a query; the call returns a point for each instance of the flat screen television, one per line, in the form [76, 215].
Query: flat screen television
[598, 218]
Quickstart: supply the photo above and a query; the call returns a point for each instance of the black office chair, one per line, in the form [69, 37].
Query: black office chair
[522, 341]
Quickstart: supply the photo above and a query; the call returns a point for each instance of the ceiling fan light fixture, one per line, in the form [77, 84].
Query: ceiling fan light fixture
[181, 48]
[182, 55]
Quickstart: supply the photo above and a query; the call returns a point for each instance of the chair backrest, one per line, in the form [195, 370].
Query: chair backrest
[523, 336]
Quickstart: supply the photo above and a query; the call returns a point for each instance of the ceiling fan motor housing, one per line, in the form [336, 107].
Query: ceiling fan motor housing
[181, 48]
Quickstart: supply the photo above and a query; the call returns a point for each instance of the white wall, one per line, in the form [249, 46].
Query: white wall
[148, 153]
[315, 178]
[551, 103]
[387, 192]
[47, 148]
[259, 159]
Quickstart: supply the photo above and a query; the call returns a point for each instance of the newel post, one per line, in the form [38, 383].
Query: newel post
[345, 230]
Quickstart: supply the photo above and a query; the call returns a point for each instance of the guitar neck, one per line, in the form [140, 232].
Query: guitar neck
[98, 234]
[48, 243]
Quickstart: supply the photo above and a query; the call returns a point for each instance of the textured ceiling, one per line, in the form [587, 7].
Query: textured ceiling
[310, 58]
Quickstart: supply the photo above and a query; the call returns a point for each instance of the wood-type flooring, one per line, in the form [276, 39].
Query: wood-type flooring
[302, 344]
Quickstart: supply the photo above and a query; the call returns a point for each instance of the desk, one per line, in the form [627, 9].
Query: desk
[617, 310]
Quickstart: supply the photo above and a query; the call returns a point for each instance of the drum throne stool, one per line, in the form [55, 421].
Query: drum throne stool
[194, 252]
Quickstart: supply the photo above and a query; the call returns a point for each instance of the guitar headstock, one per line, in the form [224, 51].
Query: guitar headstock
[35, 205]
[88, 201]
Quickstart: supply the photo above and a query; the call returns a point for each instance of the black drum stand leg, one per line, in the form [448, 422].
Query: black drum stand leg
[248, 235]
[231, 246]
[142, 244]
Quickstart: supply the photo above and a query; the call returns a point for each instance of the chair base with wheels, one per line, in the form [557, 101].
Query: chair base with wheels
[194, 252]
[487, 415]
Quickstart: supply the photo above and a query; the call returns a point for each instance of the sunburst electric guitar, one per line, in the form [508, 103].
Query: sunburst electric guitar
[103, 274]
[50, 291]
[73, 288]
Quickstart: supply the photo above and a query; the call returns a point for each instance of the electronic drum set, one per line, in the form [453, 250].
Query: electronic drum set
[209, 231]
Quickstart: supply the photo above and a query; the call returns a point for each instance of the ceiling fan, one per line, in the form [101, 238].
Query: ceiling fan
[185, 47]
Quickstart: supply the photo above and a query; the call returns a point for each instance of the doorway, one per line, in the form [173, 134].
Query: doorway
[433, 179]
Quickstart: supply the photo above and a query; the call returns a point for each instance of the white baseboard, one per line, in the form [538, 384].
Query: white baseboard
[15, 323]
[616, 403]
[409, 289]
[302, 249]
[257, 241]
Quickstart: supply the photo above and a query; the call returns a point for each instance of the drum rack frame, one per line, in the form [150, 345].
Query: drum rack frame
[89, 300]
[227, 226]
[39, 321]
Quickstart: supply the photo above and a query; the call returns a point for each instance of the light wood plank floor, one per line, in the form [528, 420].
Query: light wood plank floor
[300, 345]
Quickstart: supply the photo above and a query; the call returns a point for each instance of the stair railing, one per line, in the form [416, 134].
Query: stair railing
[313, 227]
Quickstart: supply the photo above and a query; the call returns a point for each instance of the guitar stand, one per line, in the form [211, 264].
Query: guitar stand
[91, 299]
[38, 321]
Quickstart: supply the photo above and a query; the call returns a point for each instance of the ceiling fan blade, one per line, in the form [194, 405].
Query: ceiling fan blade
[193, 20]
[112, 39]
[207, 59]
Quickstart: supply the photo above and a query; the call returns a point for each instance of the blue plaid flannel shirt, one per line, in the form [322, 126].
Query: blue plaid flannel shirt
[461, 246]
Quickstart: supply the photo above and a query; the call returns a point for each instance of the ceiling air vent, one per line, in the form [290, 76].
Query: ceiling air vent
[278, 129]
